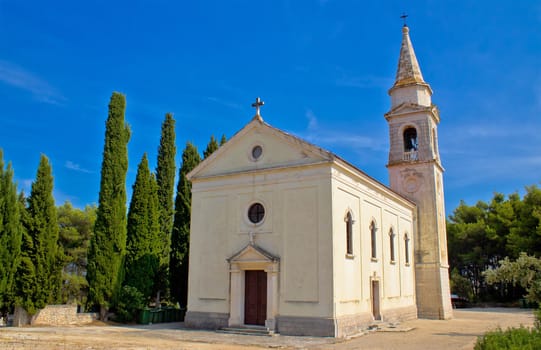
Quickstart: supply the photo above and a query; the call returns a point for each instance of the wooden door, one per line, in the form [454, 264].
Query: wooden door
[375, 300]
[255, 297]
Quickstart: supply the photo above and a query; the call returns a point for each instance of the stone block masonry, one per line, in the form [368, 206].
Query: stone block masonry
[53, 315]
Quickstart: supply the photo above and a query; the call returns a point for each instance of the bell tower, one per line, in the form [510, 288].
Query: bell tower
[415, 171]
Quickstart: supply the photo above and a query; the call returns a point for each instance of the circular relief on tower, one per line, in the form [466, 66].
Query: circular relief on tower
[256, 213]
[257, 152]
[411, 184]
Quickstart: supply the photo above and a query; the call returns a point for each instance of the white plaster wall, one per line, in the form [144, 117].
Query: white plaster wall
[296, 229]
[369, 201]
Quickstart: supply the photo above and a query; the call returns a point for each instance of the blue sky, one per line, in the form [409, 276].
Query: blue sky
[323, 69]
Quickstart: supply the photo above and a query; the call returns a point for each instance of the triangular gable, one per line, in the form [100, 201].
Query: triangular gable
[408, 108]
[252, 253]
[280, 149]
[300, 153]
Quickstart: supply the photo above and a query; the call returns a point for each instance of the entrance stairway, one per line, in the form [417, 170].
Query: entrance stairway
[248, 330]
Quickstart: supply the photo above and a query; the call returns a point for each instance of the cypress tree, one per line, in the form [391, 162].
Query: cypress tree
[165, 178]
[42, 258]
[211, 147]
[143, 246]
[108, 244]
[10, 236]
[25, 284]
[180, 238]
[223, 140]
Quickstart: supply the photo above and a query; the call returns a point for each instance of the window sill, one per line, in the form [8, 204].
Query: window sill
[407, 264]
[374, 259]
[350, 256]
[393, 262]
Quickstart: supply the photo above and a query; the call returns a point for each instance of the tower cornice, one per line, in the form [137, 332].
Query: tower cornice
[401, 163]
[406, 109]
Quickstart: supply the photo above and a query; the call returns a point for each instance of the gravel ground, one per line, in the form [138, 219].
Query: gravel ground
[460, 332]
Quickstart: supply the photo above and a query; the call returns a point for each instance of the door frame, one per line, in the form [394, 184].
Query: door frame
[375, 299]
[252, 257]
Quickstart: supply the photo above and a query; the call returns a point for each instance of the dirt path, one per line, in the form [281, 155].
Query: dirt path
[458, 333]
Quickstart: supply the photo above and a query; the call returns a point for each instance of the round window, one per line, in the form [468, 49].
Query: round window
[256, 213]
[257, 151]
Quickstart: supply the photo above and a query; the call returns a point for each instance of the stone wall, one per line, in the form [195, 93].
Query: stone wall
[53, 315]
[306, 326]
[206, 320]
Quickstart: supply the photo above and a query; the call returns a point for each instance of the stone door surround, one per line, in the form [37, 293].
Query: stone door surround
[252, 257]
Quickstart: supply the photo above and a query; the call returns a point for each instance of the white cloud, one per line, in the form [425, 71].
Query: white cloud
[328, 137]
[469, 171]
[345, 78]
[76, 167]
[18, 77]
[24, 185]
[224, 102]
[312, 120]
[61, 198]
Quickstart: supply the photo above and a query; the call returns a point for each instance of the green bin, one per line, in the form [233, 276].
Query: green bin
[165, 315]
[153, 316]
[144, 316]
[181, 313]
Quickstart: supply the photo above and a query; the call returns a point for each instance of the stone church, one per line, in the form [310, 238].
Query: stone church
[289, 237]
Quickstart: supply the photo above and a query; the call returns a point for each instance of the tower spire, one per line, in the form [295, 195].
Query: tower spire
[408, 71]
[415, 171]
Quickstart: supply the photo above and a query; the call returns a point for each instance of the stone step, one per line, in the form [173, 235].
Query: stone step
[259, 331]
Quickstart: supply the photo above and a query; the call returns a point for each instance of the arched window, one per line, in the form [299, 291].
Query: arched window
[349, 234]
[373, 237]
[407, 248]
[391, 244]
[410, 139]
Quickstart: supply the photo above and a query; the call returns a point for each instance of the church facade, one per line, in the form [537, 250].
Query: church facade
[291, 237]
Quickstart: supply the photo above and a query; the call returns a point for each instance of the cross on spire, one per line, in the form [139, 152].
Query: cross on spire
[257, 104]
[404, 16]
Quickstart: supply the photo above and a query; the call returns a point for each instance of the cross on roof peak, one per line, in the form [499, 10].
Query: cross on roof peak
[257, 104]
[404, 16]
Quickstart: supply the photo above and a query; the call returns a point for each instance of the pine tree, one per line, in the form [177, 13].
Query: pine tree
[211, 147]
[165, 178]
[108, 244]
[143, 246]
[41, 266]
[180, 238]
[223, 140]
[76, 227]
[10, 236]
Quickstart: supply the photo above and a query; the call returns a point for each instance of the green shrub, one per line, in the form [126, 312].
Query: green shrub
[130, 301]
[513, 338]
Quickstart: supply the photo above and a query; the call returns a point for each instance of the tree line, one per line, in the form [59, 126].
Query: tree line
[110, 257]
[491, 245]
[121, 257]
